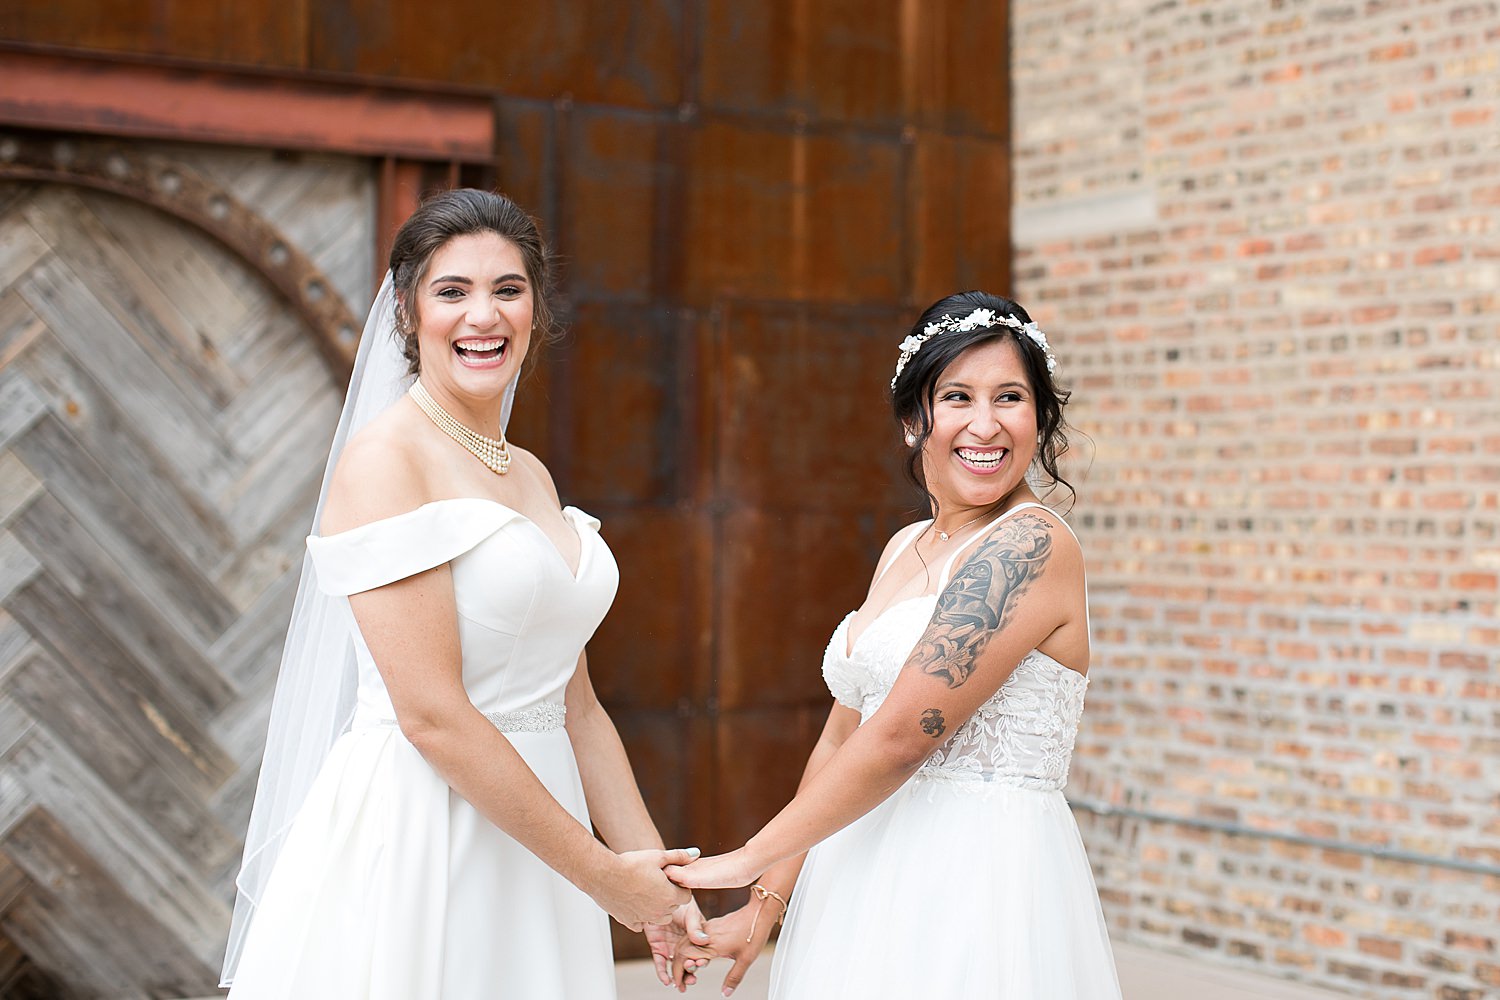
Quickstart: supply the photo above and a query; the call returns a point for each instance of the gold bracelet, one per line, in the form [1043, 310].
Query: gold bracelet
[762, 893]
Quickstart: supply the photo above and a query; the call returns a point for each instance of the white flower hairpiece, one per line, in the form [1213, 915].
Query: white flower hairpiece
[976, 320]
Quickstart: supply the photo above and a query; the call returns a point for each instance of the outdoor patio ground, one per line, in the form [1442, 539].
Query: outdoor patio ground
[1144, 975]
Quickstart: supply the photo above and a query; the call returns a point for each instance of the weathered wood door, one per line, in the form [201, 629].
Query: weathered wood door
[163, 422]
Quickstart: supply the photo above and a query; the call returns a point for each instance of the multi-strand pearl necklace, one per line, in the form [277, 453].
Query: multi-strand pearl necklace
[494, 453]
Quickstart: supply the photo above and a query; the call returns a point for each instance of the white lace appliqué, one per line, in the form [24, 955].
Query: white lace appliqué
[1022, 736]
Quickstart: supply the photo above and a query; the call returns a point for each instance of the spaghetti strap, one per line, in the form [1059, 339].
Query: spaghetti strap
[948, 566]
[905, 544]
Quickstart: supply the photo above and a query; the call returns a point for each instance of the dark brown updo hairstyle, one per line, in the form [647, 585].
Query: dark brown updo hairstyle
[912, 395]
[467, 212]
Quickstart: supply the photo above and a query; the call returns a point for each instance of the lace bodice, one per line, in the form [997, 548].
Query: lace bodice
[1023, 735]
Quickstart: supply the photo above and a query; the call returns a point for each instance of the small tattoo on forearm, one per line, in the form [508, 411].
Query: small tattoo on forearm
[932, 723]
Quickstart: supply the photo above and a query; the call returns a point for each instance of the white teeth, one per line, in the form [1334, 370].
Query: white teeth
[480, 345]
[981, 458]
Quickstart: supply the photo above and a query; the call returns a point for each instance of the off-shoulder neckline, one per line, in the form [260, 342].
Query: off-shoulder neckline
[577, 519]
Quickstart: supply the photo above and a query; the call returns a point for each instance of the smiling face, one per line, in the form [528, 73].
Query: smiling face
[473, 311]
[984, 427]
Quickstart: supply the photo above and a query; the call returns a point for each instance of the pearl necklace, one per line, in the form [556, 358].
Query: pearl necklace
[495, 454]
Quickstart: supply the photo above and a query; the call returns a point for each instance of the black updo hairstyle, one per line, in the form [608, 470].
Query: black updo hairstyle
[912, 395]
[467, 212]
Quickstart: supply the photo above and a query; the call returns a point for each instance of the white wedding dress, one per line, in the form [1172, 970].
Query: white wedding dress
[390, 886]
[970, 881]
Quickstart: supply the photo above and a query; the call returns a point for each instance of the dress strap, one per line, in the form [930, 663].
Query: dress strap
[911, 536]
[948, 566]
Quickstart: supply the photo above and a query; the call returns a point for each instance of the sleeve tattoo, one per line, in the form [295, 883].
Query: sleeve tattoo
[980, 601]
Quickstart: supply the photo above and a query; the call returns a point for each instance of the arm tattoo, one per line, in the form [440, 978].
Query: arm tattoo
[932, 722]
[980, 600]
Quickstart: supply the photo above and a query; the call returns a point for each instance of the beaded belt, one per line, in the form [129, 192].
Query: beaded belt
[543, 718]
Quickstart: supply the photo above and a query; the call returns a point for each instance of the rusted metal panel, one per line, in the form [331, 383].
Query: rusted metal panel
[737, 207]
[624, 365]
[624, 54]
[849, 219]
[249, 32]
[649, 651]
[960, 204]
[804, 422]
[805, 462]
[938, 63]
[526, 162]
[961, 68]
[790, 215]
[823, 59]
[111, 97]
[622, 176]
[786, 578]
[760, 754]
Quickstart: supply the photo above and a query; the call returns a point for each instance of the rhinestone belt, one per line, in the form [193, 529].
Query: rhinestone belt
[541, 718]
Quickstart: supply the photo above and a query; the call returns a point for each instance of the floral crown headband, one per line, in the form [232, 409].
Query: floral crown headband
[976, 320]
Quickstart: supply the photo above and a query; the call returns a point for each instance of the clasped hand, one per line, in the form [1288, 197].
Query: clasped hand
[738, 936]
[636, 892]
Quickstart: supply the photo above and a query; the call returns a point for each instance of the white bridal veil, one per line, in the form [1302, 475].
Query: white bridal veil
[314, 699]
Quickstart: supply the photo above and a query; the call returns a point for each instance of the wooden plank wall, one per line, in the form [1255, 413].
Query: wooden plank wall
[753, 201]
[163, 419]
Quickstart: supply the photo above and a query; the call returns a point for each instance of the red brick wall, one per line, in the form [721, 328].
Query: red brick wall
[1266, 238]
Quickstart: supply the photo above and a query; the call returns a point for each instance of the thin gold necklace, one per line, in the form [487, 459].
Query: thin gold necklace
[945, 535]
[494, 453]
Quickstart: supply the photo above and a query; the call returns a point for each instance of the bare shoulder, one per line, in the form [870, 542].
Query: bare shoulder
[379, 474]
[1034, 542]
[1037, 523]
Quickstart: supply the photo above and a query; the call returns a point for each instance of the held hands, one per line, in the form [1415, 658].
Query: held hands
[668, 943]
[724, 871]
[636, 892]
[739, 936]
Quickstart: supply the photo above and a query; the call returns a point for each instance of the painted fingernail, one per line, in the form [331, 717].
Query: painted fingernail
[694, 852]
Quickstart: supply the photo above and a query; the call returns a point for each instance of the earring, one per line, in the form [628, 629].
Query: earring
[911, 439]
[1038, 437]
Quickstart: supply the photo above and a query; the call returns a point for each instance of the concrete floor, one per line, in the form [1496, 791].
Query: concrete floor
[1144, 975]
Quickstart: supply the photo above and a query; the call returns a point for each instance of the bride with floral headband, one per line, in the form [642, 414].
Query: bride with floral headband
[929, 851]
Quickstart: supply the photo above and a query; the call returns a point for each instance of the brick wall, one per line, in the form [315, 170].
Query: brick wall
[1266, 236]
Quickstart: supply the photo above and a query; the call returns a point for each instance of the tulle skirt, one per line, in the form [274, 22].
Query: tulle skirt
[949, 889]
[392, 887]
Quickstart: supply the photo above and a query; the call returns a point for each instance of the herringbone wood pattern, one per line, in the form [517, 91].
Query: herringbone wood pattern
[163, 422]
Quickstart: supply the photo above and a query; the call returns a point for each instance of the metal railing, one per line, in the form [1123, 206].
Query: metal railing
[1239, 830]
